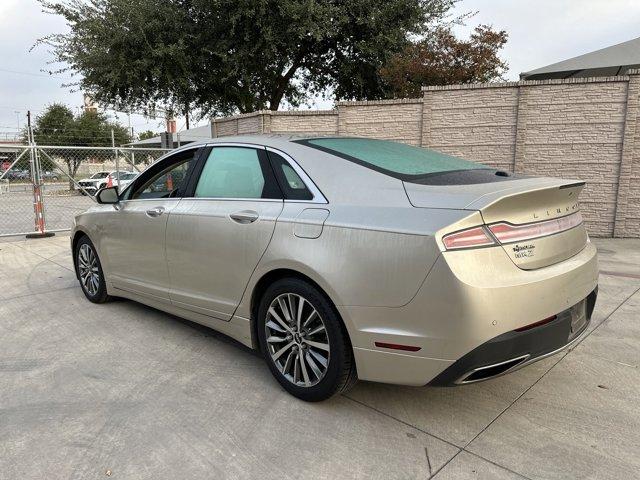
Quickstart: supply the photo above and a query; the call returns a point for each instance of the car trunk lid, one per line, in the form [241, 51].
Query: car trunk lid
[536, 220]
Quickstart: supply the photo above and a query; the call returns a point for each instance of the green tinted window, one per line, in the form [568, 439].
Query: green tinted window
[392, 157]
[231, 172]
[293, 180]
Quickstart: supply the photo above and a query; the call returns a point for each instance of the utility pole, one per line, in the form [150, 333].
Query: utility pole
[29, 126]
[115, 152]
[130, 127]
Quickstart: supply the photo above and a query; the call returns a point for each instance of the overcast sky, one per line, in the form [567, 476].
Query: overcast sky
[540, 32]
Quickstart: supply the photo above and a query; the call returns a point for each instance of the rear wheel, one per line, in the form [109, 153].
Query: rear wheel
[89, 271]
[304, 342]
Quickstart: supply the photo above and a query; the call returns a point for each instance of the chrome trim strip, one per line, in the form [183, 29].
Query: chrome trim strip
[462, 381]
[234, 199]
[318, 197]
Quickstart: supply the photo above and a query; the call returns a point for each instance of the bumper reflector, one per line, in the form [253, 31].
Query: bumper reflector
[536, 324]
[395, 346]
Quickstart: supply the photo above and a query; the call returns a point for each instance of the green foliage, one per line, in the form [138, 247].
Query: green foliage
[147, 135]
[227, 56]
[57, 126]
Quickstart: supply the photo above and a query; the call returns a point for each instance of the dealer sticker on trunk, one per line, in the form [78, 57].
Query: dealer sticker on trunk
[522, 251]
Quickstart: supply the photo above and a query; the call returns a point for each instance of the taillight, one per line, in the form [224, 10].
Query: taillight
[470, 238]
[507, 233]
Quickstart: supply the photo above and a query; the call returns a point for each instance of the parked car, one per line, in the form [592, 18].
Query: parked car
[126, 179]
[17, 175]
[48, 175]
[100, 180]
[344, 258]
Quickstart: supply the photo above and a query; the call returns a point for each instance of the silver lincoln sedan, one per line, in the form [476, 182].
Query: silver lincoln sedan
[343, 258]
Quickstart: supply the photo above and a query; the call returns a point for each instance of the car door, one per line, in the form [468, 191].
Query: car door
[216, 237]
[134, 237]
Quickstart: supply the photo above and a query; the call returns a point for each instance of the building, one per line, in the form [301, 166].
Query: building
[179, 138]
[610, 61]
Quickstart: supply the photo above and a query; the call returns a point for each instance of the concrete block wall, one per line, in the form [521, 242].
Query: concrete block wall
[562, 128]
[399, 120]
[476, 124]
[311, 122]
[587, 129]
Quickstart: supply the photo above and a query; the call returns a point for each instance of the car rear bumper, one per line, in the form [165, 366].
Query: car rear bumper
[469, 299]
[515, 349]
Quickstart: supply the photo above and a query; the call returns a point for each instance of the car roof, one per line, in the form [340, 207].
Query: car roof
[274, 140]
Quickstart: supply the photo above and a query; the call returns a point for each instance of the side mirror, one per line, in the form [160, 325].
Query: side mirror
[107, 195]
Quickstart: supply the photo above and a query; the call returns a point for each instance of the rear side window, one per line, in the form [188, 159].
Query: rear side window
[392, 158]
[288, 180]
[236, 172]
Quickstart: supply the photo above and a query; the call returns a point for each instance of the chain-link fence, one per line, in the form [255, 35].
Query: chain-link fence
[42, 188]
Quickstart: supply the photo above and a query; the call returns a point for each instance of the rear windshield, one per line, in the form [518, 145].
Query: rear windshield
[396, 159]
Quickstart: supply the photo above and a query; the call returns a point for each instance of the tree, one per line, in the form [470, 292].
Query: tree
[57, 126]
[442, 59]
[227, 56]
[147, 135]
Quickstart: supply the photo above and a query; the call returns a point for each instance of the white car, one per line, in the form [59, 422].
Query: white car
[126, 179]
[100, 180]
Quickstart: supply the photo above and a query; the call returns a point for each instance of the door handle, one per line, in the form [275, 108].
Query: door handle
[244, 217]
[155, 212]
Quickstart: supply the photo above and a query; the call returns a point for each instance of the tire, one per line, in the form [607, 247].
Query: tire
[327, 365]
[89, 272]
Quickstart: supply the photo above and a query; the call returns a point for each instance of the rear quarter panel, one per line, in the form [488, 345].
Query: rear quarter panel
[373, 256]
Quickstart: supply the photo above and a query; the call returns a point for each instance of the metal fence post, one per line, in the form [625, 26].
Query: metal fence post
[38, 202]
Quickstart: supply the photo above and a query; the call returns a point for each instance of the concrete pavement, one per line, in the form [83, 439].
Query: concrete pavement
[124, 391]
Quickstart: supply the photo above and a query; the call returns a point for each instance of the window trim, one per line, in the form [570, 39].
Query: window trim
[200, 159]
[159, 163]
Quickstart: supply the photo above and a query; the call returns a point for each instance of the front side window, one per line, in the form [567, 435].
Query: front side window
[233, 172]
[169, 182]
[392, 158]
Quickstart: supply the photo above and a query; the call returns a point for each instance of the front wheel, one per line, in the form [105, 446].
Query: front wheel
[304, 341]
[89, 272]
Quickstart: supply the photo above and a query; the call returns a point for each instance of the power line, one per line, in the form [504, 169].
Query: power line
[31, 74]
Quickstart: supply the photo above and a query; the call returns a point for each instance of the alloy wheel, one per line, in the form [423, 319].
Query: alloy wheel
[297, 340]
[88, 269]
